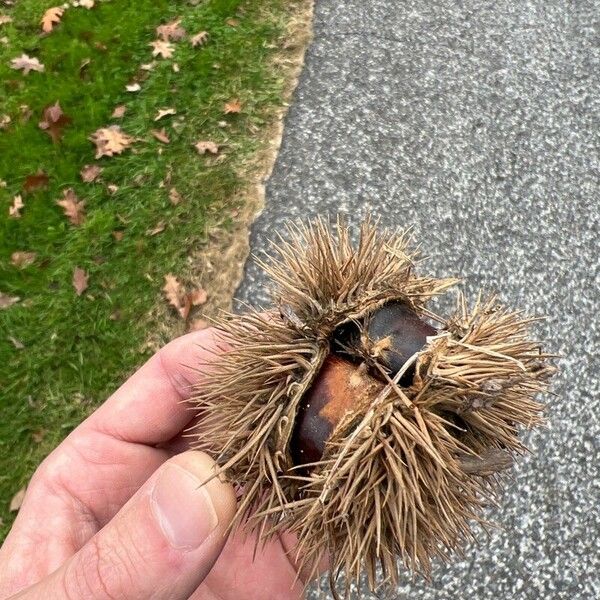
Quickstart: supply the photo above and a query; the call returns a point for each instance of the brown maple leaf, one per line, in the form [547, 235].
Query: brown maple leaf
[162, 48]
[51, 17]
[35, 182]
[54, 121]
[205, 146]
[14, 210]
[119, 111]
[171, 31]
[90, 173]
[161, 135]
[26, 63]
[174, 196]
[232, 107]
[22, 259]
[73, 208]
[80, 280]
[176, 295]
[6, 300]
[199, 39]
[110, 141]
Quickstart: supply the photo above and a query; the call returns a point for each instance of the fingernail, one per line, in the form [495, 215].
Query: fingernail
[183, 508]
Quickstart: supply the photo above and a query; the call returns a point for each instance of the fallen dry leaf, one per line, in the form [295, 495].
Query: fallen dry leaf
[148, 66]
[116, 315]
[35, 182]
[14, 210]
[118, 235]
[54, 121]
[80, 280]
[6, 300]
[72, 206]
[174, 196]
[161, 135]
[232, 107]
[51, 17]
[176, 295]
[198, 324]
[90, 173]
[198, 297]
[171, 31]
[162, 48]
[17, 500]
[181, 300]
[232, 22]
[112, 189]
[4, 121]
[84, 64]
[158, 228]
[110, 141]
[4, 19]
[199, 38]
[89, 4]
[175, 67]
[18, 344]
[163, 112]
[119, 111]
[25, 63]
[38, 435]
[133, 87]
[205, 146]
[26, 113]
[21, 258]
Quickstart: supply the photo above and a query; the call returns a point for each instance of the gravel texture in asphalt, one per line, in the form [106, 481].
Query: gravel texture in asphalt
[477, 124]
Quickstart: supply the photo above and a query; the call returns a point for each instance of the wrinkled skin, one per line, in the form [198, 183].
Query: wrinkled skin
[86, 480]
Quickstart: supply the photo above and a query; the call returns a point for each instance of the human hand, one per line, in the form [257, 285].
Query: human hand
[117, 511]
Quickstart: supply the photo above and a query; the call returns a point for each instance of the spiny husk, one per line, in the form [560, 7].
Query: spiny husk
[323, 280]
[404, 478]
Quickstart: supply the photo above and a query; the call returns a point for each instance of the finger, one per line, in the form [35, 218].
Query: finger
[161, 545]
[150, 407]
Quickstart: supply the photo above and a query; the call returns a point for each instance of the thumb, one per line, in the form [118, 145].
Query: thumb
[160, 545]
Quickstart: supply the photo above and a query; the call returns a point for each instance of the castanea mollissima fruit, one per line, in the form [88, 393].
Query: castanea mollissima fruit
[354, 416]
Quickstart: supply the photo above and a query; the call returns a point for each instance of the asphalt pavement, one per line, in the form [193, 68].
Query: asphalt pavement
[477, 123]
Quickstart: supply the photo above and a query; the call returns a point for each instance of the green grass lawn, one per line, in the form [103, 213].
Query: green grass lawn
[62, 354]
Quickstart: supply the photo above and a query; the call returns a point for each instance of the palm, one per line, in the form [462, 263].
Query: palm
[85, 482]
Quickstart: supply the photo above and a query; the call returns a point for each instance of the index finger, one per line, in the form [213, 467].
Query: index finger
[152, 406]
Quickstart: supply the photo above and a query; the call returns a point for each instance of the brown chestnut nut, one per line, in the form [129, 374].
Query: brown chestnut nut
[341, 387]
[394, 333]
